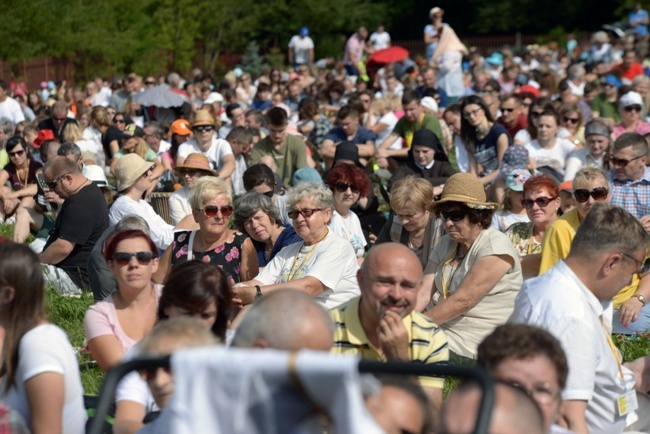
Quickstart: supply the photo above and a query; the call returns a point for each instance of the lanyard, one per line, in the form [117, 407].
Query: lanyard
[26, 175]
[445, 285]
[294, 270]
[612, 348]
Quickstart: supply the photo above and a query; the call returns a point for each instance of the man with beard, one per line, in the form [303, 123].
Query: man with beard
[382, 325]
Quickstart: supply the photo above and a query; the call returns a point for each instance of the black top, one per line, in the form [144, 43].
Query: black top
[47, 124]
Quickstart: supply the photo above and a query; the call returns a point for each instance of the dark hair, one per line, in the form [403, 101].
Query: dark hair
[413, 388]
[117, 237]
[521, 341]
[552, 113]
[454, 108]
[258, 174]
[336, 86]
[231, 108]
[351, 174]
[409, 96]
[481, 217]
[345, 111]
[539, 182]
[467, 131]
[277, 117]
[192, 285]
[20, 269]
[545, 104]
[15, 141]
[240, 134]
[494, 84]
[4, 85]
[308, 108]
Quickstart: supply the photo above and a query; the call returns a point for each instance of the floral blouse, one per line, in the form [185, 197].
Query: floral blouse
[520, 235]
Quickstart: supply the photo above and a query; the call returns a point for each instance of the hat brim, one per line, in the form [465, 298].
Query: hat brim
[202, 123]
[142, 169]
[467, 201]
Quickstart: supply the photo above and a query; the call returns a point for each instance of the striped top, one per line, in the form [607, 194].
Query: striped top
[427, 341]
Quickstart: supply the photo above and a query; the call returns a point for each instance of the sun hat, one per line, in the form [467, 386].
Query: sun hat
[467, 189]
[436, 10]
[516, 179]
[96, 175]
[306, 174]
[213, 97]
[495, 58]
[515, 157]
[128, 169]
[197, 161]
[43, 136]
[202, 117]
[631, 98]
[429, 103]
[181, 127]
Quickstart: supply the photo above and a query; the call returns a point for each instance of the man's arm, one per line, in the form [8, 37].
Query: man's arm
[56, 252]
[228, 167]
[328, 149]
[366, 150]
[572, 416]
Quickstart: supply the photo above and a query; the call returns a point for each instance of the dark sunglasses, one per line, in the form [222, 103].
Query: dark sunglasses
[454, 216]
[342, 187]
[622, 162]
[119, 121]
[507, 110]
[124, 258]
[149, 83]
[541, 202]
[16, 153]
[202, 128]
[598, 193]
[306, 213]
[636, 108]
[644, 267]
[149, 374]
[52, 184]
[58, 119]
[211, 211]
[572, 120]
[535, 114]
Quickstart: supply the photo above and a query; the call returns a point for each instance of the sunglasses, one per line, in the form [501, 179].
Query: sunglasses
[149, 374]
[202, 128]
[644, 266]
[535, 114]
[53, 183]
[212, 210]
[572, 120]
[620, 162]
[454, 216]
[16, 153]
[58, 119]
[124, 258]
[630, 108]
[149, 83]
[541, 202]
[507, 110]
[342, 187]
[598, 193]
[119, 121]
[306, 213]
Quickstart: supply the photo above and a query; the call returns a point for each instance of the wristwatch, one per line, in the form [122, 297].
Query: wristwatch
[641, 298]
[259, 294]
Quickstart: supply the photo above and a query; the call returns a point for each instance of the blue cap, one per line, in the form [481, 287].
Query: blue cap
[611, 79]
[304, 31]
[495, 58]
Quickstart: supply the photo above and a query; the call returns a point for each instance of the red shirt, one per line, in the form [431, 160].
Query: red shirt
[520, 124]
[634, 70]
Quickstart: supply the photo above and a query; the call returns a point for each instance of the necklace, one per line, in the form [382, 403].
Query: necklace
[294, 270]
[26, 170]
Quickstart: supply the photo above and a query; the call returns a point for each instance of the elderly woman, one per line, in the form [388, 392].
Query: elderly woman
[541, 199]
[194, 167]
[256, 215]
[214, 242]
[348, 183]
[412, 224]
[630, 108]
[598, 135]
[20, 173]
[474, 271]
[323, 265]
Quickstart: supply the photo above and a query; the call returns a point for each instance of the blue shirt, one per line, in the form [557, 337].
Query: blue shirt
[632, 196]
[640, 29]
[287, 236]
[363, 136]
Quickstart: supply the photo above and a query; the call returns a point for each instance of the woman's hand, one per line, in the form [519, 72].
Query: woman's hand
[628, 312]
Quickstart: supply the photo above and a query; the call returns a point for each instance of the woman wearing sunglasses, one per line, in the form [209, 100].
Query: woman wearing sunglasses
[20, 173]
[323, 264]
[474, 272]
[630, 108]
[40, 372]
[348, 184]
[256, 215]
[571, 118]
[541, 200]
[529, 134]
[114, 325]
[214, 242]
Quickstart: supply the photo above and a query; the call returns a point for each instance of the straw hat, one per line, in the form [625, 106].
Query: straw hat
[197, 161]
[202, 117]
[466, 189]
[128, 169]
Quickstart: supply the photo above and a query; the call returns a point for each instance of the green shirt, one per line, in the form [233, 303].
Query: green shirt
[291, 156]
[4, 158]
[406, 129]
[605, 108]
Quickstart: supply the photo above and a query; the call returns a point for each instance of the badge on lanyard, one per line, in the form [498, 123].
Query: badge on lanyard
[626, 403]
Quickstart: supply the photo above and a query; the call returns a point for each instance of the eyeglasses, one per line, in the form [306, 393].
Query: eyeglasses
[507, 110]
[526, 103]
[455, 215]
[541, 202]
[621, 162]
[58, 119]
[202, 128]
[598, 193]
[16, 153]
[572, 120]
[535, 114]
[644, 267]
[54, 182]
[541, 393]
[119, 121]
[124, 258]
[306, 213]
[342, 187]
[149, 83]
[472, 113]
[630, 108]
[211, 211]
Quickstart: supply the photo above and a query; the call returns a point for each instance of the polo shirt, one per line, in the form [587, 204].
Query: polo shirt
[427, 341]
[632, 196]
[406, 129]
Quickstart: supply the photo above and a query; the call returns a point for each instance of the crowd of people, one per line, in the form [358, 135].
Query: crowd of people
[459, 206]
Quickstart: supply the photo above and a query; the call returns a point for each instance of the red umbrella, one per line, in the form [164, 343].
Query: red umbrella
[388, 55]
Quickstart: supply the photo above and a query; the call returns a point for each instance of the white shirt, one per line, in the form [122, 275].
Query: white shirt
[349, 229]
[301, 48]
[215, 153]
[179, 205]
[333, 263]
[561, 304]
[554, 157]
[11, 110]
[580, 159]
[391, 120]
[502, 219]
[380, 40]
[162, 233]
[237, 176]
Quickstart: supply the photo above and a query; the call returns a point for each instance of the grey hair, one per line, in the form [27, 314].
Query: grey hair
[68, 148]
[173, 78]
[157, 128]
[7, 126]
[248, 204]
[319, 194]
[132, 221]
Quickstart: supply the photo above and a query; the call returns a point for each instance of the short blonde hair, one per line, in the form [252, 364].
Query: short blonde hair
[206, 189]
[71, 132]
[588, 174]
[411, 189]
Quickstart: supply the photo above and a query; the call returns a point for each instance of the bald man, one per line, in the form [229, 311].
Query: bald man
[382, 324]
[514, 412]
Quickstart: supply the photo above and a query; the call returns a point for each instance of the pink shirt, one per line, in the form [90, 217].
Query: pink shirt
[641, 128]
[101, 319]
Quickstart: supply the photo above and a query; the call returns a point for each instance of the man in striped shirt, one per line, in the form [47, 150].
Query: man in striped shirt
[383, 325]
